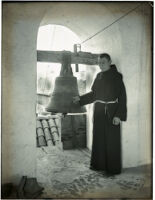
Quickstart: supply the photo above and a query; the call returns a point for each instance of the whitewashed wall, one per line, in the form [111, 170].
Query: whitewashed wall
[20, 27]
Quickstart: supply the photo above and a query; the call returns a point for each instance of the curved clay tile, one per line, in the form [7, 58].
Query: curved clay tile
[48, 137]
[54, 131]
[40, 135]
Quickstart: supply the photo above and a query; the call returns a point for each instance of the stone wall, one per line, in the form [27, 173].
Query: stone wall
[73, 131]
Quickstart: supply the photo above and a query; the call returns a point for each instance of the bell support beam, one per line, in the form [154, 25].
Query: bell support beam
[76, 58]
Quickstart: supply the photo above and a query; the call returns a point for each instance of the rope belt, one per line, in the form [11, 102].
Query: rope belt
[106, 103]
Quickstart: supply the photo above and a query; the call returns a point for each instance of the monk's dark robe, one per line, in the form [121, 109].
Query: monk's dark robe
[106, 147]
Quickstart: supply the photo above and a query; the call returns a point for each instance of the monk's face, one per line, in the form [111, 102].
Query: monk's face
[104, 63]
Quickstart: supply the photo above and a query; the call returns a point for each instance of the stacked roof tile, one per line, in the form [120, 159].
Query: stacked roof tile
[48, 131]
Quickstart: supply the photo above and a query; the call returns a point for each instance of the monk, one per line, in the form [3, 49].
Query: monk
[109, 96]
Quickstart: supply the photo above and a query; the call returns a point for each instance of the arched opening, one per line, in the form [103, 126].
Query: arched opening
[49, 131]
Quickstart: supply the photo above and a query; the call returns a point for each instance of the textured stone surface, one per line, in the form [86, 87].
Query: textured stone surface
[66, 174]
[73, 131]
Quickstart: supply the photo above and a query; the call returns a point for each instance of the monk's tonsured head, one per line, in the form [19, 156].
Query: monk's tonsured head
[104, 61]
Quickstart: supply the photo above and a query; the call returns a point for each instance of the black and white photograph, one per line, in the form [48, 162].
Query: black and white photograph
[77, 100]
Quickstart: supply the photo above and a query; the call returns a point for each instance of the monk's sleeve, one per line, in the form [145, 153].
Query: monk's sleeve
[121, 111]
[88, 97]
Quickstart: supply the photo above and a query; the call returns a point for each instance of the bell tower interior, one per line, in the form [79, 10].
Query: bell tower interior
[27, 86]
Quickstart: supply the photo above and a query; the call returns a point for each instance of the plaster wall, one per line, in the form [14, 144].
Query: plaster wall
[20, 27]
[128, 42]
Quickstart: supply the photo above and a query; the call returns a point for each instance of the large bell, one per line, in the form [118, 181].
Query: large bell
[65, 89]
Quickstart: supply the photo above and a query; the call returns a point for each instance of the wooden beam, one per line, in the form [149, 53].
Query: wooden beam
[76, 58]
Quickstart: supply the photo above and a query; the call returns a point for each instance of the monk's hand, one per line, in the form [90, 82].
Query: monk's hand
[116, 120]
[76, 99]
